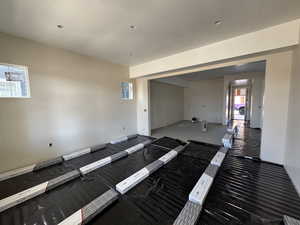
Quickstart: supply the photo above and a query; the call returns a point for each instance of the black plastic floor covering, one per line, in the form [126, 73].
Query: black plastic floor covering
[249, 192]
[244, 192]
[168, 142]
[20, 183]
[54, 206]
[159, 198]
[247, 142]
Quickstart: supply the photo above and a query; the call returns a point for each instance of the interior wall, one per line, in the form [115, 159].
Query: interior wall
[75, 102]
[276, 102]
[204, 99]
[292, 154]
[167, 104]
[258, 88]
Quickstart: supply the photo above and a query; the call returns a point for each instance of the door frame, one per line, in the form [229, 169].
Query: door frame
[248, 101]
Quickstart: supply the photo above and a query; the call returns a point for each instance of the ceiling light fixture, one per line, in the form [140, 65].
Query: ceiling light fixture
[60, 26]
[218, 22]
[132, 27]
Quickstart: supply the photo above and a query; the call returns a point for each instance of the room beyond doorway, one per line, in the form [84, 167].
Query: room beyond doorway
[239, 106]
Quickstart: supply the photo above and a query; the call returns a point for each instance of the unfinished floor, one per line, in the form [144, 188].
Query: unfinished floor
[186, 130]
[244, 191]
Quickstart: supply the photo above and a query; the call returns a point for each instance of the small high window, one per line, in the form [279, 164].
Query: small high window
[14, 82]
[126, 91]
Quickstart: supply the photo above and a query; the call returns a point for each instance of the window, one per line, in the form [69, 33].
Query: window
[14, 81]
[127, 91]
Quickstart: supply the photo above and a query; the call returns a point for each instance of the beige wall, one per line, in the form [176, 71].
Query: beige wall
[275, 112]
[258, 88]
[167, 104]
[75, 102]
[292, 154]
[204, 100]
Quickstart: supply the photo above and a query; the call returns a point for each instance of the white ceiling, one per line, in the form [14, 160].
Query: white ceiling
[216, 73]
[101, 27]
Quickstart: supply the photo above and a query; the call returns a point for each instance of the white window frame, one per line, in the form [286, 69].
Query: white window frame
[25, 68]
[130, 84]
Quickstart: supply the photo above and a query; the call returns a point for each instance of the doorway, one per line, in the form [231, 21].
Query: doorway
[239, 104]
[239, 107]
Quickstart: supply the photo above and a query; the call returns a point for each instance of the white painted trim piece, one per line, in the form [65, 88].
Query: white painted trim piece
[218, 159]
[76, 154]
[119, 140]
[168, 157]
[95, 165]
[135, 148]
[74, 219]
[200, 191]
[131, 181]
[16, 172]
[23, 196]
